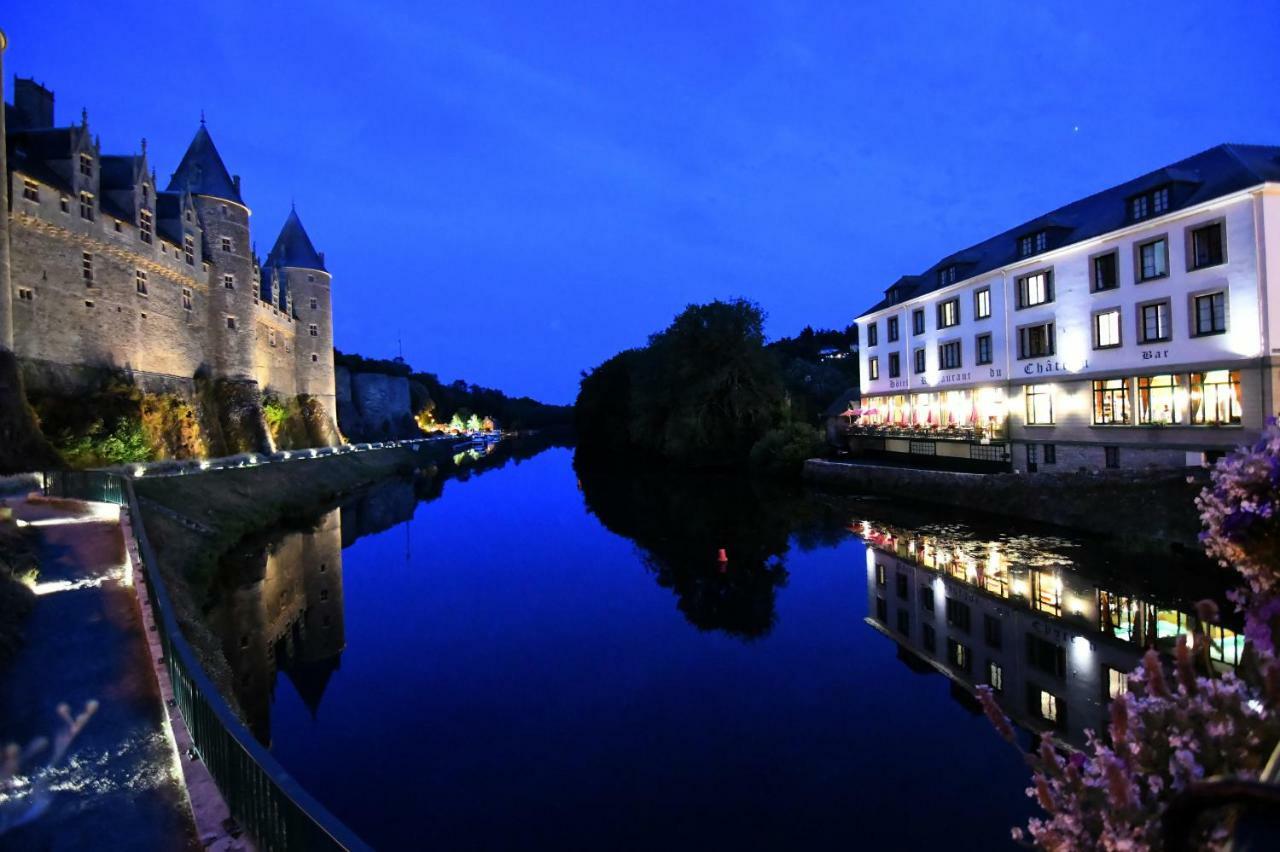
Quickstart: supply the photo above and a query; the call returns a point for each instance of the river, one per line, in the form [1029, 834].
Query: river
[545, 654]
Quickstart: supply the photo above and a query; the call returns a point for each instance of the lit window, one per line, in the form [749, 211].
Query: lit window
[982, 303]
[1111, 402]
[949, 313]
[995, 676]
[86, 165]
[1210, 313]
[186, 299]
[271, 337]
[1155, 321]
[1215, 398]
[1117, 682]
[313, 330]
[917, 321]
[189, 249]
[958, 655]
[949, 355]
[1039, 405]
[1105, 273]
[919, 356]
[229, 281]
[86, 206]
[86, 266]
[1048, 706]
[1035, 289]
[1106, 329]
[873, 368]
[1206, 246]
[1158, 401]
[30, 190]
[1036, 341]
[982, 346]
[140, 281]
[145, 226]
[1153, 260]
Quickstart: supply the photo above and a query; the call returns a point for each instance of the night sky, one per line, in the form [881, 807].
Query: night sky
[519, 190]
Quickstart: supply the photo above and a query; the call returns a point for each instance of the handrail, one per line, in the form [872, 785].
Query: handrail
[262, 796]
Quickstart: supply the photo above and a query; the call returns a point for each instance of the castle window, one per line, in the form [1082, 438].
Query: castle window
[315, 359]
[315, 303]
[310, 278]
[88, 303]
[86, 165]
[146, 194]
[86, 206]
[86, 266]
[226, 244]
[65, 204]
[30, 190]
[229, 281]
[314, 330]
[189, 249]
[231, 323]
[26, 294]
[140, 281]
[186, 299]
[144, 225]
[117, 226]
[271, 337]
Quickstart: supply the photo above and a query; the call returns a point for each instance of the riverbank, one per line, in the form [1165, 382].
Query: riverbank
[1144, 509]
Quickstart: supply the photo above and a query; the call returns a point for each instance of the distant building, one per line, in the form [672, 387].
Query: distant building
[1139, 326]
[107, 269]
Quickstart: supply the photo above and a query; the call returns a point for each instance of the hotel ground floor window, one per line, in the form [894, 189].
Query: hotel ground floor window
[1112, 456]
[1215, 398]
[995, 676]
[1158, 401]
[929, 639]
[958, 655]
[1050, 454]
[1111, 402]
[1039, 405]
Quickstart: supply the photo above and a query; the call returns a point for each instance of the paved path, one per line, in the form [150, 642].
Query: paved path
[118, 787]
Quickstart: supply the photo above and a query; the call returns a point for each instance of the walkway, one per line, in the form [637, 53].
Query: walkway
[118, 788]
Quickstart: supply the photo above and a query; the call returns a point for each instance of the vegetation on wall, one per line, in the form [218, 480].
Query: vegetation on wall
[171, 426]
[22, 445]
[236, 407]
[98, 428]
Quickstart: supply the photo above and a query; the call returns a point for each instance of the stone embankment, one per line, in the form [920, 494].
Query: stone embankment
[374, 406]
[1139, 508]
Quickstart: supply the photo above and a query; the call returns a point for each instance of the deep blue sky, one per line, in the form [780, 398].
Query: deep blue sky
[519, 190]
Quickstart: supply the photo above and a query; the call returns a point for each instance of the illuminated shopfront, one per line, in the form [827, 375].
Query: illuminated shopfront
[977, 413]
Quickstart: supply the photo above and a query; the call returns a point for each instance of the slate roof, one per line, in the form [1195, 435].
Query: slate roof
[30, 151]
[293, 247]
[202, 171]
[1210, 174]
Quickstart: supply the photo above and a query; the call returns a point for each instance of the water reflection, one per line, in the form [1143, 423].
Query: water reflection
[1025, 618]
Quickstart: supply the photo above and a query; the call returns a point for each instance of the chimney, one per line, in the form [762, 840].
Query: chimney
[32, 105]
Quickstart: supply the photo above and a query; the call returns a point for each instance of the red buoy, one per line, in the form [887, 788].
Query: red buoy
[722, 556]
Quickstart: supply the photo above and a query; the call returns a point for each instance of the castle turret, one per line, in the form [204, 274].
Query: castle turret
[308, 285]
[220, 237]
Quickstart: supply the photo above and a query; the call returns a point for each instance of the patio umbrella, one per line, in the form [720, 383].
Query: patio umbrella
[973, 412]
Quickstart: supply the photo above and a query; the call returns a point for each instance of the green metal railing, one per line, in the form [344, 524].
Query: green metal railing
[268, 803]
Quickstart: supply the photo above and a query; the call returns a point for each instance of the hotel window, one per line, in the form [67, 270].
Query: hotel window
[26, 294]
[30, 190]
[917, 321]
[86, 206]
[995, 676]
[873, 368]
[1106, 271]
[926, 598]
[982, 303]
[873, 334]
[1210, 313]
[231, 323]
[1215, 398]
[982, 345]
[1050, 453]
[1153, 259]
[1206, 246]
[895, 365]
[958, 614]
[1149, 204]
[992, 631]
[1047, 706]
[186, 299]
[1036, 341]
[890, 327]
[1039, 405]
[904, 622]
[86, 266]
[314, 331]
[946, 276]
[919, 358]
[144, 225]
[140, 281]
[949, 313]
[929, 639]
[902, 584]
[1111, 402]
[949, 355]
[229, 281]
[880, 576]
[1035, 289]
[1117, 682]
[958, 655]
[315, 303]
[86, 165]
[1033, 243]
[189, 249]
[1158, 401]
[1046, 657]
[226, 244]
[1153, 326]
[1106, 329]
[1112, 457]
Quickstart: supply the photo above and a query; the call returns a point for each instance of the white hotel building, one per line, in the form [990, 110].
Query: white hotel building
[1138, 326]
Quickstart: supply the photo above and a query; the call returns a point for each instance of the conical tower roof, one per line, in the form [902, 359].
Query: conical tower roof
[202, 171]
[293, 247]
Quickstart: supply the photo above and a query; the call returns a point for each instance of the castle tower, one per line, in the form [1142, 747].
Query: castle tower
[309, 284]
[224, 243]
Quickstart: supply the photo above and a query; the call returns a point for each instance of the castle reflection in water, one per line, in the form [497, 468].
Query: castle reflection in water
[1054, 644]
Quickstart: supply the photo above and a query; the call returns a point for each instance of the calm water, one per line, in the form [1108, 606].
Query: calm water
[544, 657]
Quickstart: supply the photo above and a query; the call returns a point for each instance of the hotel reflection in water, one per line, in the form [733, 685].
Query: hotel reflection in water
[1054, 646]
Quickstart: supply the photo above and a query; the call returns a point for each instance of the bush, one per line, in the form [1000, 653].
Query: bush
[783, 451]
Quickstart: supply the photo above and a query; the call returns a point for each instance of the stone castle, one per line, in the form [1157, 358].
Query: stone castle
[106, 270]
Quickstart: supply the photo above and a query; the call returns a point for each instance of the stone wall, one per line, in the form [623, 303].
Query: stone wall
[373, 406]
[1139, 508]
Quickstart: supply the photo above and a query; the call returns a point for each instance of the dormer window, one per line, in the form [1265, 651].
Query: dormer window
[86, 165]
[947, 276]
[188, 215]
[30, 190]
[1033, 243]
[86, 206]
[892, 294]
[145, 226]
[1148, 204]
[189, 249]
